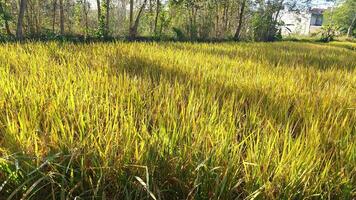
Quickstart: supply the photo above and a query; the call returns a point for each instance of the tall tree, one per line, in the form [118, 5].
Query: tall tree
[343, 15]
[134, 26]
[19, 30]
[351, 27]
[54, 15]
[6, 17]
[98, 4]
[107, 17]
[266, 20]
[131, 14]
[158, 4]
[241, 16]
[86, 12]
[61, 17]
[194, 19]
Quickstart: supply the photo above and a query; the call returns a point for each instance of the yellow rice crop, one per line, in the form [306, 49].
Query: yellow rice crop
[177, 121]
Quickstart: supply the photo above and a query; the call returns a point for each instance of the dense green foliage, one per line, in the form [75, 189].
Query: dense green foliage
[343, 16]
[177, 121]
[194, 20]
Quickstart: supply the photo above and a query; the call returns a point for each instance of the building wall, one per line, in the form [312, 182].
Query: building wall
[314, 30]
[301, 23]
[315, 23]
[295, 23]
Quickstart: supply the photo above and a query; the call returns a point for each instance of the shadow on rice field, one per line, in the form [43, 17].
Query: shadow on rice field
[177, 121]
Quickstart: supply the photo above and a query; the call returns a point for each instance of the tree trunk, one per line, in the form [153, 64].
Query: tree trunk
[19, 30]
[156, 17]
[131, 14]
[239, 26]
[37, 15]
[85, 9]
[192, 19]
[272, 22]
[351, 27]
[280, 7]
[217, 35]
[133, 30]
[54, 15]
[225, 16]
[107, 17]
[61, 17]
[99, 10]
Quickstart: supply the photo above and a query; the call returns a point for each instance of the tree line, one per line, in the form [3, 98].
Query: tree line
[182, 19]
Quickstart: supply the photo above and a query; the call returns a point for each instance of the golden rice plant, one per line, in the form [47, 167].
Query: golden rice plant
[177, 121]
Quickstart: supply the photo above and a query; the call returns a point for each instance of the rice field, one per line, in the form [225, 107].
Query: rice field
[177, 121]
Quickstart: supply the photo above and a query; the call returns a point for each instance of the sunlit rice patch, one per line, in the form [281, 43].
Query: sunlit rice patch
[177, 120]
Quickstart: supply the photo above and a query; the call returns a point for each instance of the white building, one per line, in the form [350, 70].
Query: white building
[302, 22]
